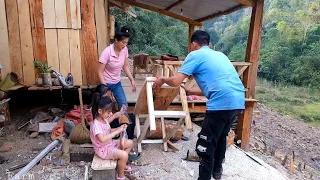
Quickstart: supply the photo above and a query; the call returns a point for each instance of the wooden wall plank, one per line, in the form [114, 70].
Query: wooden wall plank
[49, 15]
[26, 42]
[69, 23]
[89, 41]
[101, 24]
[52, 48]
[4, 42]
[83, 65]
[75, 14]
[75, 56]
[63, 47]
[61, 13]
[37, 27]
[14, 38]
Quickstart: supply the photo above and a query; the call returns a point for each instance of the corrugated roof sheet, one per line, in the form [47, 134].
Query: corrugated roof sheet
[194, 9]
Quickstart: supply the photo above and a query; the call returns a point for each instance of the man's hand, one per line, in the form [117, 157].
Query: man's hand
[158, 83]
[134, 86]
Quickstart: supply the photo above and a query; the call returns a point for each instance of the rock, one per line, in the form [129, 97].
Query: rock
[7, 146]
[34, 135]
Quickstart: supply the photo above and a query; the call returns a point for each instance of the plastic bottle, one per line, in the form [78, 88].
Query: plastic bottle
[69, 79]
[124, 137]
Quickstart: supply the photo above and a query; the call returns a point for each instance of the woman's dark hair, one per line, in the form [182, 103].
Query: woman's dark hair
[104, 103]
[123, 33]
[100, 90]
[200, 37]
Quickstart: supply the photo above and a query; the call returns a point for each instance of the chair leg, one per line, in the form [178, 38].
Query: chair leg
[138, 131]
[165, 145]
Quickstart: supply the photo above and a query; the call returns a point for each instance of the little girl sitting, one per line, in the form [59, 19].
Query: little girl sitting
[101, 135]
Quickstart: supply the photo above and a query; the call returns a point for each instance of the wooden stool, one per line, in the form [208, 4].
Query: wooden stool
[103, 169]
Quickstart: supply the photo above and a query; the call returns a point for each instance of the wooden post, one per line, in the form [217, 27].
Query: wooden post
[191, 30]
[250, 75]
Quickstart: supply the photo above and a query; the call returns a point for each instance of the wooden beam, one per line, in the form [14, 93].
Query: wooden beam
[221, 13]
[89, 41]
[4, 40]
[14, 38]
[37, 29]
[161, 11]
[244, 125]
[174, 4]
[190, 32]
[253, 48]
[245, 2]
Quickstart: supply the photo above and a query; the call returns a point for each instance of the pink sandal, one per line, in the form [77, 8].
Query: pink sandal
[118, 178]
[128, 169]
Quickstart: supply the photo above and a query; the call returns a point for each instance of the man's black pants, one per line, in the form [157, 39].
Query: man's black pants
[211, 144]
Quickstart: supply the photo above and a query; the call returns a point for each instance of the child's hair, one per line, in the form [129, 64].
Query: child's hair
[100, 90]
[104, 103]
[123, 33]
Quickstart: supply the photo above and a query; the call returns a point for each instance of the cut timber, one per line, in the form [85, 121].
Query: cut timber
[46, 127]
[101, 23]
[185, 107]
[75, 14]
[68, 9]
[4, 42]
[39, 40]
[151, 107]
[89, 41]
[168, 114]
[75, 56]
[34, 161]
[14, 38]
[103, 169]
[26, 42]
[49, 14]
[64, 51]
[61, 13]
[52, 48]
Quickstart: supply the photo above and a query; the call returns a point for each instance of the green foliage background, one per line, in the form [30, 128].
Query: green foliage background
[290, 38]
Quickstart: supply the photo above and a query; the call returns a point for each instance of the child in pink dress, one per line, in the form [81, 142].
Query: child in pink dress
[101, 135]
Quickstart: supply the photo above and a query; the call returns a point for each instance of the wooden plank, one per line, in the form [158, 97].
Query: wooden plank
[144, 131]
[190, 32]
[89, 41]
[68, 9]
[14, 38]
[240, 72]
[138, 131]
[244, 126]
[75, 14]
[49, 14]
[151, 112]
[61, 13]
[245, 2]
[4, 42]
[102, 164]
[75, 56]
[163, 127]
[26, 42]
[185, 107]
[173, 131]
[253, 48]
[83, 63]
[169, 114]
[37, 29]
[161, 11]
[241, 63]
[52, 48]
[47, 127]
[63, 48]
[101, 23]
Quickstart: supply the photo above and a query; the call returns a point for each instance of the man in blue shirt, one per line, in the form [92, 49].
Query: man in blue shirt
[219, 82]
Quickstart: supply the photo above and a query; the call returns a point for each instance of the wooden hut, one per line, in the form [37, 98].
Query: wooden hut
[70, 35]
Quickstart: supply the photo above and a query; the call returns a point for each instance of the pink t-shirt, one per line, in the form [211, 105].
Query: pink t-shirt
[103, 150]
[114, 64]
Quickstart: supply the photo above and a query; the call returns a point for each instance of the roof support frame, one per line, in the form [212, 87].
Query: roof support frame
[174, 4]
[161, 11]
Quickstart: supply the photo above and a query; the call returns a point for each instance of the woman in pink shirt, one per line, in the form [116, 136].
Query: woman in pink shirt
[113, 60]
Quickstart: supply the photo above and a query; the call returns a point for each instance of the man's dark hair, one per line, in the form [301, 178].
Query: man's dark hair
[200, 37]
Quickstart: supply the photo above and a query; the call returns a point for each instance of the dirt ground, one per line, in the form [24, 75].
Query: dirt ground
[274, 136]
